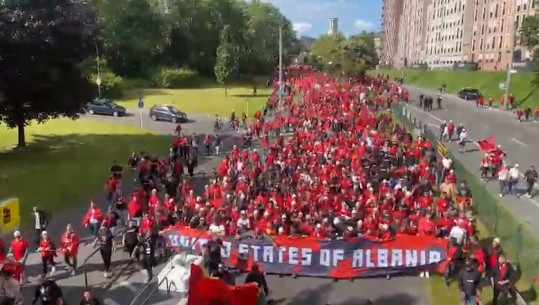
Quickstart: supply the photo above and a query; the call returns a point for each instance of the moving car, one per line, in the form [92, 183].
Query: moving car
[469, 94]
[167, 113]
[105, 107]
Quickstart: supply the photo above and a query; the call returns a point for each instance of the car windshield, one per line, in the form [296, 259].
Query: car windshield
[173, 110]
[111, 105]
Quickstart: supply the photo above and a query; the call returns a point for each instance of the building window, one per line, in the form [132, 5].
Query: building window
[473, 45]
[503, 9]
[500, 43]
[481, 44]
[484, 12]
[503, 23]
[496, 11]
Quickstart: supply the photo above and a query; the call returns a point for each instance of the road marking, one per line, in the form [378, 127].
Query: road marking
[517, 141]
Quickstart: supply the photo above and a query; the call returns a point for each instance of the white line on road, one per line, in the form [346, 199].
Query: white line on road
[518, 142]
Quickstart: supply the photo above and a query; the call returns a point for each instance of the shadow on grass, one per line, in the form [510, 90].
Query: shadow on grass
[68, 170]
[250, 95]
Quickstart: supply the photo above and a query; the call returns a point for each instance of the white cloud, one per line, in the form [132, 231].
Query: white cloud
[362, 25]
[302, 27]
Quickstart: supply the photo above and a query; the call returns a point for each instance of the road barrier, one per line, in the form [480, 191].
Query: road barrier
[518, 242]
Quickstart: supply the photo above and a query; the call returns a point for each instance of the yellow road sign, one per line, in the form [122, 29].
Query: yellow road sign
[442, 150]
[10, 219]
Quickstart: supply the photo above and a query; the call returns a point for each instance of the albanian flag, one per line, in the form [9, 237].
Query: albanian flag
[210, 290]
[488, 144]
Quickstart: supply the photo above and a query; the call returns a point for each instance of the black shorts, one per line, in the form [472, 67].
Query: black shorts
[462, 143]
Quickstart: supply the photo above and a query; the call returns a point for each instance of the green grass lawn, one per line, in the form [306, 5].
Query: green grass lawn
[209, 100]
[526, 93]
[66, 161]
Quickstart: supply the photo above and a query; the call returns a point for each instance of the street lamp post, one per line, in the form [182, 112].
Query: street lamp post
[510, 67]
[280, 66]
[98, 67]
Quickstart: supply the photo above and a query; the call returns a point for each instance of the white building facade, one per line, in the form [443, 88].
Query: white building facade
[446, 42]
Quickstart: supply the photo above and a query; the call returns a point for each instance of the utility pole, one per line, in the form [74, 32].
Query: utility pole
[280, 65]
[98, 67]
[510, 66]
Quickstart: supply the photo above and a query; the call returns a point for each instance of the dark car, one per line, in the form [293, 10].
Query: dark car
[105, 107]
[167, 113]
[469, 94]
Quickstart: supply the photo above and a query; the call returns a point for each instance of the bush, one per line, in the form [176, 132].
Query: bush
[176, 78]
[112, 85]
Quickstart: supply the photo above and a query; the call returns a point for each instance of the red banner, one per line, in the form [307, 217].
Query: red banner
[355, 257]
[205, 290]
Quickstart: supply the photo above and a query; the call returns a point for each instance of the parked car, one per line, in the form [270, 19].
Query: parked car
[167, 113]
[105, 107]
[469, 94]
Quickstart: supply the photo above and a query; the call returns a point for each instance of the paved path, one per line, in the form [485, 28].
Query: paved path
[128, 281]
[519, 140]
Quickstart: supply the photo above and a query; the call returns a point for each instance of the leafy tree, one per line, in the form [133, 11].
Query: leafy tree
[42, 47]
[134, 35]
[226, 64]
[353, 55]
[529, 32]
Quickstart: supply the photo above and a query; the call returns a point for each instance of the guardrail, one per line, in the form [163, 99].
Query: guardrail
[153, 290]
[85, 266]
[518, 242]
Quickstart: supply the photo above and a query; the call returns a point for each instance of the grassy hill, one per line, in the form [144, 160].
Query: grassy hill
[523, 88]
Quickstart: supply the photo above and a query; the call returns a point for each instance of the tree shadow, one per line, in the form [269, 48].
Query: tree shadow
[135, 93]
[250, 95]
[522, 101]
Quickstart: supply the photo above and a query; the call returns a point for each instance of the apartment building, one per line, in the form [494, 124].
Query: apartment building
[412, 33]
[446, 42]
[391, 14]
[495, 27]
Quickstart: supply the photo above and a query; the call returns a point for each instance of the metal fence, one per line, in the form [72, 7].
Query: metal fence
[520, 245]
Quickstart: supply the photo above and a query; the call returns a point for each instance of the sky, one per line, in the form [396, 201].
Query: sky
[311, 17]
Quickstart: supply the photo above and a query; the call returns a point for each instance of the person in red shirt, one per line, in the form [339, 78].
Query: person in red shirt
[19, 250]
[427, 226]
[48, 252]
[134, 210]
[93, 218]
[70, 246]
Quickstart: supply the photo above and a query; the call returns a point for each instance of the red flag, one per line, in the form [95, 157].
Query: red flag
[488, 144]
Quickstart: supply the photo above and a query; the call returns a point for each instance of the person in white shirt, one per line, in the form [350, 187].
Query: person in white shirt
[503, 177]
[512, 182]
[463, 137]
[458, 233]
[217, 228]
[244, 222]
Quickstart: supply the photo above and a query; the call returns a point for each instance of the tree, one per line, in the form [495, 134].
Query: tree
[134, 35]
[226, 64]
[353, 55]
[529, 31]
[42, 47]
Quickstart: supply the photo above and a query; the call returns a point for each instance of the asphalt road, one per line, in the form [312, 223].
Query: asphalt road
[128, 281]
[517, 139]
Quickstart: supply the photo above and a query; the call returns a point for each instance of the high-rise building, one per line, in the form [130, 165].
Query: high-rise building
[495, 25]
[391, 14]
[447, 21]
[333, 26]
[412, 33]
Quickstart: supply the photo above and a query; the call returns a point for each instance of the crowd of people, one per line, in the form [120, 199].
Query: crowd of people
[331, 166]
